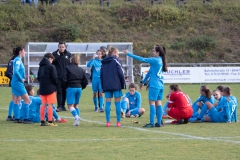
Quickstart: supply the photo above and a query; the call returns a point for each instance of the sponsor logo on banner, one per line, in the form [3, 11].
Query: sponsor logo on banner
[199, 74]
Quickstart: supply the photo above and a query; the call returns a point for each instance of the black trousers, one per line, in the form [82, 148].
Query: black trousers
[61, 94]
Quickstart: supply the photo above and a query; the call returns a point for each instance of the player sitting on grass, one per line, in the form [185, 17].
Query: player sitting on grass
[225, 111]
[179, 106]
[131, 103]
[205, 96]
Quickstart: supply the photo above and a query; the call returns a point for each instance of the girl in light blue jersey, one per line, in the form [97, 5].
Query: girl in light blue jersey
[96, 64]
[158, 65]
[18, 88]
[225, 111]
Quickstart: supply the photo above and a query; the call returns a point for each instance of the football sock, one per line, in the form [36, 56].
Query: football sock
[73, 111]
[159, 114]
[164, 109]
[16, 110]
[10, 108]
[203, 111]
[195, 108]
[107, 111]
[42, 113]
[118, 110]
[50, 113]
[152, 113]
[101, 102]
[55, 115]
[95, 101]
[78, 111]
[25, 109]
[124, 106]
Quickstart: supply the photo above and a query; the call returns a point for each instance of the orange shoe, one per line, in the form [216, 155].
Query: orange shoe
[62, 120]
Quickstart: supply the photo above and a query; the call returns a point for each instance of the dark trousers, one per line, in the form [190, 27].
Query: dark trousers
[61, 94]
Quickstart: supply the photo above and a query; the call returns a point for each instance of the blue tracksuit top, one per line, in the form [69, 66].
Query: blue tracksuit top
[96, 66]
[204, 99]
[229, 106]
[156, 67]
[135, 100]
[34, 108]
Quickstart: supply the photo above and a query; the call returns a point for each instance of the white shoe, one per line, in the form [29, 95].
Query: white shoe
[77, 121]
[122, 114]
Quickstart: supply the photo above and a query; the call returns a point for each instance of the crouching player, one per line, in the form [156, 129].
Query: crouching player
[131, 103]
[179, 106]
[226, 109]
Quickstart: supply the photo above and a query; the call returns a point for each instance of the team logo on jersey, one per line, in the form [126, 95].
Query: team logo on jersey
[18, 62]
[66, 57]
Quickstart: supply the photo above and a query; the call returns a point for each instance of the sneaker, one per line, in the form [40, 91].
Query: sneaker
[10, 118]
[101, 110]
[180, 121]
[52, 124]
[44, 124]
[61, 120]
[64, 109]
[77, 121]
[185, 121]
[149, 125]
[108, 124]
[18, 121]
[27, 122]
[118, 124]
[59, 109]
[96, 110]
[122, 114]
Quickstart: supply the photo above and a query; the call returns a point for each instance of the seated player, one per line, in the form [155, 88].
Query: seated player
[131, 103]
[226, 109]
[179, 106]
[34, 108]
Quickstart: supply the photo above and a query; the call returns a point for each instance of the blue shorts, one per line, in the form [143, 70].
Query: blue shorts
[116, 94]
[18, 89]
[73, 95]
[155, 94]
[96, 84]
[215, 116]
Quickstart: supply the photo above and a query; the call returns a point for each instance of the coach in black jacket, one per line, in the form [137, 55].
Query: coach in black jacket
[62, 59]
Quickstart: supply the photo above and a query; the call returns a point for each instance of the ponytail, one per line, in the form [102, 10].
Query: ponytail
[162, 53]
[17, 50]
[227, 90]
[207, 91]
[112, 51]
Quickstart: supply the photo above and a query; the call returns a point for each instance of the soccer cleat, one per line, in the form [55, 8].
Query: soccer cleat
[77, 121]
[159, 125]
[195, 120]
[180, 121]
[101, 110]
[96, 110]
[149, 125]
[118, 124]
[44, 124]
[61, 120]
[64, 109]
[9, 118]
[108, 124]
[52, 124]
[136, 115]
[18, 121]
[185, 121]
[122, 114]
[27, 122]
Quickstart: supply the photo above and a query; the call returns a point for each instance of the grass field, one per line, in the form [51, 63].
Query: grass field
[92, 140]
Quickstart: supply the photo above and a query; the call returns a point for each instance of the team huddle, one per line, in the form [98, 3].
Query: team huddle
[60, 78]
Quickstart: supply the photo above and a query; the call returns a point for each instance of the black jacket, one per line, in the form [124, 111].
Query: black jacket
[61, 61]
[47, 77]
[74, 76]
[112, 77]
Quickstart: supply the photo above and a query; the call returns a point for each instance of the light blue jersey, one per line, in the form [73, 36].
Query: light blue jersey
[156, 67]
[34, 109]
[203, 100]
[96, 66]
[135, 100]
[18, 88]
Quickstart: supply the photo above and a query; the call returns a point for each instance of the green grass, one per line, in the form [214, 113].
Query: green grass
[92, 140]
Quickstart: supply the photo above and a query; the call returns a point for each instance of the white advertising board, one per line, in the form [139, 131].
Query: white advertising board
[200, 74]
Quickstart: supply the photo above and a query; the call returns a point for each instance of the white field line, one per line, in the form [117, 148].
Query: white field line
[220, 139]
